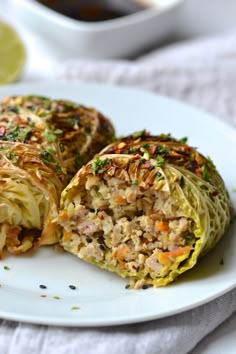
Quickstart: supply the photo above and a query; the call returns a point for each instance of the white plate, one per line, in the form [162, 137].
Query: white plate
[100, 295]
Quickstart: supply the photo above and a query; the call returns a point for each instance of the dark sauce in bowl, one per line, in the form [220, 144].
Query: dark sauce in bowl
[95, 10]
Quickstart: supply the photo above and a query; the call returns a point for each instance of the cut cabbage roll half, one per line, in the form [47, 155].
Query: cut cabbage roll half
[78, 131]
[30, 189]
[146, 208]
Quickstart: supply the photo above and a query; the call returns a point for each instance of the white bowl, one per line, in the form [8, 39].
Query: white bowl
[121, 37]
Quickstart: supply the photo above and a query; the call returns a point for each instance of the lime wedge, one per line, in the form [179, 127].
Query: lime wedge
[12, 54]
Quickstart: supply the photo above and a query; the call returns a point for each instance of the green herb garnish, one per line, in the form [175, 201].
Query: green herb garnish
[205, 173]
[97, 164]
[11, 156]
[46, 156]
[70, 122]
[132, 150]
[22, 135]
[75, 308]
[43, 114]
[161, 150]
[160, 178]
[211, 163]
[58, 131]
[160, 161]
[183, 140]
[139, 134]
[50, 137]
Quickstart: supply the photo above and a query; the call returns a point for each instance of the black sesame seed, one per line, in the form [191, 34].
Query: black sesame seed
[190, 168]
[144, 287]
[89, 240]
[13, 109]
[151, 168]
[127, 286]
[42, 286]
[102, 247]
[73, 287]
[159, 174]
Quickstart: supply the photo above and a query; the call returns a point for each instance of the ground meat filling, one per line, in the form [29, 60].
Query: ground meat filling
[126, 227]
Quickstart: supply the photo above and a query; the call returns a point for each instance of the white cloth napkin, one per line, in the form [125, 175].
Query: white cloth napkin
[203, 73]
[176, 334]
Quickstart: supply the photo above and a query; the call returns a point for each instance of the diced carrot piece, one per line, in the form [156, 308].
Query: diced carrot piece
[165, 257]
[162, 226]
[120, 200]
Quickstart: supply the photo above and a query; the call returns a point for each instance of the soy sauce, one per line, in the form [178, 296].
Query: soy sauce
[94, 10]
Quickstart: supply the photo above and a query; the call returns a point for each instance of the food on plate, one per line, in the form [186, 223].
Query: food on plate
[76, 132]
[43, 142]
[30, 188]
[146, 207]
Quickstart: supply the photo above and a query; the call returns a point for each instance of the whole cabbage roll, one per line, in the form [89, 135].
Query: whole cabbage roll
[146, 207]
[76, 131]
[30, 189]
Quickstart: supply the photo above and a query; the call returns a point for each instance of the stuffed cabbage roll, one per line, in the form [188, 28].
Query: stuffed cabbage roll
[30, 189]
[78, 131]
[43, 143]
[146, 207]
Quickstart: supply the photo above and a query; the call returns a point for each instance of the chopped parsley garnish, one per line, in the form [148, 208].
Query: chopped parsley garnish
[46, 156]
[70, 122]
[160, 161]
[146, 146]
[133, 182]
[58, 169]
[75, 308]
[51, 151]
[42, 114]
[23, 134]
[11, 156]
[13, 133]
[132, 149]
[211, 163]
[139, 134]
[183, 140]
[161, 150]
[6, 268]
[58, 131]
[50, 137]
[97, 164]
[205, 173]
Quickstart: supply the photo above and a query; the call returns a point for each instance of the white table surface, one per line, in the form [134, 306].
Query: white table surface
[216, 16]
